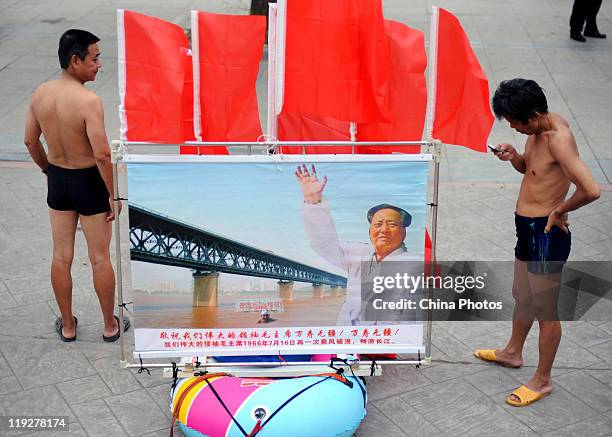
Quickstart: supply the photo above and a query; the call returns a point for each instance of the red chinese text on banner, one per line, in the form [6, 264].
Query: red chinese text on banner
[151, 78]
[406, 93]
[462, 110]
[336, 60]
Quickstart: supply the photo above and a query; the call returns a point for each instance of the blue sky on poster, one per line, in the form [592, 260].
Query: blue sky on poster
[259, 204]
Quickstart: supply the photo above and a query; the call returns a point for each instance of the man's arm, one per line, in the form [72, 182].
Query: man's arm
[94, 125]
[32, 141]
[563, 149]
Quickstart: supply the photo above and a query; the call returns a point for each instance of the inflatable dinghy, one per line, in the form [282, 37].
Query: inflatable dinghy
[218, 405]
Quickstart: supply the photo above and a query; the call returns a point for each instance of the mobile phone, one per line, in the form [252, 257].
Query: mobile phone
[493, 148]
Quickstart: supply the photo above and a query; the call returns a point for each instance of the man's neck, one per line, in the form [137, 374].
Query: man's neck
[544, 124]
[70, 75]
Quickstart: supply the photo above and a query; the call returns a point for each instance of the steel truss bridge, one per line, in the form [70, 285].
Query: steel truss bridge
[155, 238]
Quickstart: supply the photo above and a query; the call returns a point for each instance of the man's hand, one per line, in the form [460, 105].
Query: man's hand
[311, 186]
[112, 214]
[505, 152]
[557, 219]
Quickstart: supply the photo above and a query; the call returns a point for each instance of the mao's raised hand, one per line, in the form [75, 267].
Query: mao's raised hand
[311, 186]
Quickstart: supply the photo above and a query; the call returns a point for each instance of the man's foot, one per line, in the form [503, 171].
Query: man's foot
[66, 334]
[114, 337]
[577, 36]
[499, 356]
[529, 393]
[594, 34]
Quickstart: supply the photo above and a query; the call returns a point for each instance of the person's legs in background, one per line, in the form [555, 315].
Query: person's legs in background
[591, 29]
[577, 19]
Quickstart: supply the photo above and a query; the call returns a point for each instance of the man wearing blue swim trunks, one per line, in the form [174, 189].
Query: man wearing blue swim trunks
[550, 165]
[79, 175]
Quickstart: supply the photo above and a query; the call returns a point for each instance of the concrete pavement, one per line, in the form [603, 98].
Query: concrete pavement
[457, 394]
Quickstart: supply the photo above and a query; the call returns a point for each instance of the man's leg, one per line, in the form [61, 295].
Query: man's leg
[98, 233]
[523, 317]
[591, 20]
[545, 291]
[63, 228]
[579, 14]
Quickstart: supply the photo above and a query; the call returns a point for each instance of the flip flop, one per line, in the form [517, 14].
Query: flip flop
[115, 337]
[489, 355]
[59, 326]
[526, 396]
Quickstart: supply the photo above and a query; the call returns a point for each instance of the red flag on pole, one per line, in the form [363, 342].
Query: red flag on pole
[406, 93]
[336, 60]
[151, 78]
[307, 127]
[462, 110]
[227, 51]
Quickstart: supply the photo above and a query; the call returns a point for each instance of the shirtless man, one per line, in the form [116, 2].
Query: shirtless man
[550, 164]
[79, 175]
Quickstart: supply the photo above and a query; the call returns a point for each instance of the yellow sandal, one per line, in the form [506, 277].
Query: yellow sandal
[489, 355]
[526, 396]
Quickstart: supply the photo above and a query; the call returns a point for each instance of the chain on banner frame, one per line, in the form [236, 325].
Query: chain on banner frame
[119, 150]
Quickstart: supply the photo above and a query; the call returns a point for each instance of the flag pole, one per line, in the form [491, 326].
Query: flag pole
[271, 124]
[116, 156]
[435, 147]
[280, 28]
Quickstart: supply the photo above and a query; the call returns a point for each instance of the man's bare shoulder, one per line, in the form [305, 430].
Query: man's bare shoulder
[561, 139]
[43, 89]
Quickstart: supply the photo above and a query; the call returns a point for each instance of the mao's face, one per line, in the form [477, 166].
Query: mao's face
[387, 232]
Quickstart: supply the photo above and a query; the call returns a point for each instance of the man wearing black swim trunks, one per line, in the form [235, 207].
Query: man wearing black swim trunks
[79, 175]
[550, 165]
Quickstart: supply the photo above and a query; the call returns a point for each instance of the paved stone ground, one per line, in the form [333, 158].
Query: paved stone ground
[456, 394]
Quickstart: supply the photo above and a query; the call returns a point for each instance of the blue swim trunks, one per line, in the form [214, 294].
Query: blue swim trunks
[544, 253]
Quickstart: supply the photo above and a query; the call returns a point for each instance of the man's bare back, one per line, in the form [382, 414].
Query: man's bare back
[61, 107]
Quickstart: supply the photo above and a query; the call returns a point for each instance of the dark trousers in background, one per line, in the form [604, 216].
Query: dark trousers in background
[584, 10]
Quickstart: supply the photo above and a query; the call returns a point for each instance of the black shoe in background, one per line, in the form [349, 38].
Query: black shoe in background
[577, 36]
[594, 34]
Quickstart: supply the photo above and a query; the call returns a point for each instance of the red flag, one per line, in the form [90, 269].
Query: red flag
[336, 60]
[227, 50]
[462, 111]
[151, 78]
[428, 247]
[406, 93]
[306, 127]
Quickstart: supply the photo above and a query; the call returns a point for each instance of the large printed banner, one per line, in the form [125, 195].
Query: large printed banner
[267, 255]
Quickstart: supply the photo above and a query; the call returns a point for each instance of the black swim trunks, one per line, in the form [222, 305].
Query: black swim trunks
[80, 190]
[544, 252]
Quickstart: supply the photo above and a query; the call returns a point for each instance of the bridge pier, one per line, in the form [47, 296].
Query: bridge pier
[205, 285]
[285, 290]
[338, 291]
[317, 291]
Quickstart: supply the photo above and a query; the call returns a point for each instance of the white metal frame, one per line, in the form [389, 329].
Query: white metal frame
[119, 154]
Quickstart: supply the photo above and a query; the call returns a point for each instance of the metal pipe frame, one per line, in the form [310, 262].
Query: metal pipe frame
[273, 364]
[118, 147]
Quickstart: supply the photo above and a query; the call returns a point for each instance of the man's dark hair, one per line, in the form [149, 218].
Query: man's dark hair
[74, 42]
[519, 99]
